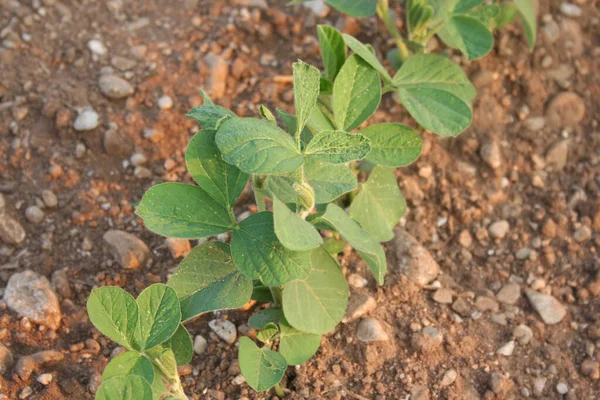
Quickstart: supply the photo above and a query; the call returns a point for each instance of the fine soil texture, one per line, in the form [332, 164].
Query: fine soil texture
[494, 283]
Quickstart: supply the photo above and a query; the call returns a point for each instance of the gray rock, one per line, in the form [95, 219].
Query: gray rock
[509, 294]
[484, 303]
[34, 214]
[86, 121]
[565, 109]
[359, 305]
[551, 31]
[499, 229]
[122, 63]
[570, 10]
[523, 334]
[6, 359]
[550, 309]
[462, 307]
[178, 247]
[129, 251]
[50, 199]
[60, 281]
[427, 340]
[412, 259]
[506, 349]
[27, 364]
[371, 330]
[538, 385]
[357, 281]
[97, 47]
[114, 87]
[219, 71]
[562, 388]
[449, 378]
[11, 231]
[224, 329]
[490, 153]
[535, 124]
[31, 295]
[26, 392]
[44, 379]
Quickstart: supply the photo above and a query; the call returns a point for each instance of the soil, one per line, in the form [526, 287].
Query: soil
[543, 180]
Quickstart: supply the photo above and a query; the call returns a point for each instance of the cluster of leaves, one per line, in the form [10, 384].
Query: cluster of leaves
[464, 25]
[305, 164]
[149, 327]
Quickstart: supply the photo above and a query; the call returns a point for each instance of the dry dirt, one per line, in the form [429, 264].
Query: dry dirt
[531, 158]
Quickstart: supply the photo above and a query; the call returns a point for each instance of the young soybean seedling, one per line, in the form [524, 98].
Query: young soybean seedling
[461, 24]
[149, 327]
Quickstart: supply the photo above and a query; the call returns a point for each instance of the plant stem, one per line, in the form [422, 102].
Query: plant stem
[258, 196]
[279, 391]
[383, 11]
[276, 293]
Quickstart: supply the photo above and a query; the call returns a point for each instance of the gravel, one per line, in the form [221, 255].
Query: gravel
[86, 121]
[371, 330]
[225, 329]
[129, 251]
[550, 309]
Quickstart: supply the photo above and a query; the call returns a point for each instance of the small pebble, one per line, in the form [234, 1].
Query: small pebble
[44, 379]
[165, 103]
[200, 344]
[582, 234]
[97, 47]
[178, 247]
[449, 378]
[34, 214]
[86, 121]
[499, 229]
[443, 296]
[50, 199]
[523, 334]
[562, 388]
[591, 369]
[570, 10]
[507, 349]
[225, 329]
[357, 281]
[371, 330]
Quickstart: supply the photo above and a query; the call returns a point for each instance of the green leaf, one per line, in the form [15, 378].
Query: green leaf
[131, 387]
[507, 14]
[338, 147]
[267, 114]
[355, 8]
[296, 346]
[379, 205]
[329, 182]
[268, 334]
[334, 246]
[319, 120]
[163, 359]
[468, 35]
[207, 100]
[181, 345]
[115, 313]
[363, 242]
[129, 363]
[527, 10]
[436, 92]
[159, 388]
[262, 368]
[159, 315]
[257, 147]
[462, 6]
[318, 303]
[356, 93]
[293, 232]
[223, 182]
[306, 90]
[261, 292]
[393, 145]
[207, 280]
[265, 316]
[419, 12]
[259, 255]
[363, 52]
[209, 115]
[333, 50]
[183, 211]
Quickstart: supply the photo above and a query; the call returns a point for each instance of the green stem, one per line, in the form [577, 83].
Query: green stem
[258, 196]
[383, 11]
[276, 293]
[279, 391]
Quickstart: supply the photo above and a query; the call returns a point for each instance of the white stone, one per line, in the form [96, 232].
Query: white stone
[165, 103]
[562, 388]
[225, 329]
[449, 378]
[371, 330]
[200, 344]
[550, 309]
[499, 229]
[507, 349]
[86, 121]
[523, 334]
[570, 10]
[97, 47]
[44, 379]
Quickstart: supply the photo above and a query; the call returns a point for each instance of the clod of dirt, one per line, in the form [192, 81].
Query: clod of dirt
[219, 71]
[409, 257]
[116, 144]
[427, 340]
[11, 231]
[31, 295]
[114, 87]
[129, 251]
[550, 309]
[565, 109]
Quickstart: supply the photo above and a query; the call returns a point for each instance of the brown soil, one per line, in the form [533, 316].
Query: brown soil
[451, 189]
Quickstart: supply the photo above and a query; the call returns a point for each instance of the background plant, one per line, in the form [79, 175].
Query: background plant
[280, 256]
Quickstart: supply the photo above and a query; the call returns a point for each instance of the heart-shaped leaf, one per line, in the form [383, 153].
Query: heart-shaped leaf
[129, 363]
[379, 205]
[292, 231]
[393, 145]
[262, 368]
[468, 35]
[223, 182]
[338, 147]
[206, 280]
[181, 345]
[265, 316]
[317, 303]
[183, 211]
[159, 315]
[255, 146]
[131, 387]
[115, 313]
[260, 255]
[356, 93]
[296, 346]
